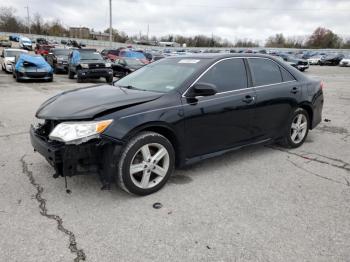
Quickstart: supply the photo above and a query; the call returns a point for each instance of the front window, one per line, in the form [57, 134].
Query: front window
[163, 76]
[90, 56]
[227, 75]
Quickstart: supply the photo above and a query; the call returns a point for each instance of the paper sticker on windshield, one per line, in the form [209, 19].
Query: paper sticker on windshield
[189, 61]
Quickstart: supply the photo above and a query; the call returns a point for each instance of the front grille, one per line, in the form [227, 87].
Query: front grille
[96, 65]
[45, 129]
[36, 74]
[302, 63]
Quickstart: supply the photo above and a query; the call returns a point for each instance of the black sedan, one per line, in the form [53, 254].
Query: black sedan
[331, 59]
[58, 59]
[124, 66]
[175, 112]
[298, 63]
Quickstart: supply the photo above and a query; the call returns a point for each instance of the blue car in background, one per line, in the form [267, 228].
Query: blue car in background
[14, 38]
[31, 67]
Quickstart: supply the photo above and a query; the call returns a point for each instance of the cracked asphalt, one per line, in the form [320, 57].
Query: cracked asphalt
[262, 203]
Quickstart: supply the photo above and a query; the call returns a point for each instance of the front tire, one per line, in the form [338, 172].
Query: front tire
[297, 129]
[145, 164]
[109, 79]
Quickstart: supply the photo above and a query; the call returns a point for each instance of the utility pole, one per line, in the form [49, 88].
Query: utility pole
[28, 18]
[147, 32]
[110, 23]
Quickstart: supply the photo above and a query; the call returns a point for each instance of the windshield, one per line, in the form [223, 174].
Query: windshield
[90, 56]
[61, 52]
[162, 76]
[13, 53]
[133, 62]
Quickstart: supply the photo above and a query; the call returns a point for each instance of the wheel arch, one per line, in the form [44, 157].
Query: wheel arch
[308, 108]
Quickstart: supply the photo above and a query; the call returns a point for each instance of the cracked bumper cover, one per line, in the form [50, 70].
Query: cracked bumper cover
[94, 156]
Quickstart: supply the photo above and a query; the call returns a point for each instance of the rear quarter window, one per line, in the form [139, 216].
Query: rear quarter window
[286, 75]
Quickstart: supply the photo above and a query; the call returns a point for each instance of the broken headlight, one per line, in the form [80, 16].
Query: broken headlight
[78, 132]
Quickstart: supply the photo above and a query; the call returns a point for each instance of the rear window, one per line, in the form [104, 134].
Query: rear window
[265, 71]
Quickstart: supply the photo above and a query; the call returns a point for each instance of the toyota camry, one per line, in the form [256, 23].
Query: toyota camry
[175, 112]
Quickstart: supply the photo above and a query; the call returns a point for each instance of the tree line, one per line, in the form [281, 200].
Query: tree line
[320, 38]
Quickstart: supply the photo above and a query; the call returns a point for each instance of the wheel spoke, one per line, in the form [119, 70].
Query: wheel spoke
[300, 117]
[159, 171]
[303, 125]
[146, 154]
[145, 179]
[159, 155]
[294, 135]
[136, 168]
[294, 126]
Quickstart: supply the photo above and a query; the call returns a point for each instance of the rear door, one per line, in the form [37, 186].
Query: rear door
[221, 121]
[277, 93]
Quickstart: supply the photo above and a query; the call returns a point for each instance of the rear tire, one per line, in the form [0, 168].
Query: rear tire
[297, 129]
[145, 164]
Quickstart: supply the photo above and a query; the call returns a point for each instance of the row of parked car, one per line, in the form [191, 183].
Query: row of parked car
[84, 63]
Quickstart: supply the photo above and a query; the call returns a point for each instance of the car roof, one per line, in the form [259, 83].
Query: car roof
[219, 56]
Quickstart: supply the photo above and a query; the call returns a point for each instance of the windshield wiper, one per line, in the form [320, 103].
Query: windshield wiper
[132, 87]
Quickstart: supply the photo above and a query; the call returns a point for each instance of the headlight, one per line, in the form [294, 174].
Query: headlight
[21, 69]
[108, 65]
[84, 65]
[78, 132]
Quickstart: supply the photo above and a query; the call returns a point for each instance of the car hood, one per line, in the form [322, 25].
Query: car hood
[86, 103]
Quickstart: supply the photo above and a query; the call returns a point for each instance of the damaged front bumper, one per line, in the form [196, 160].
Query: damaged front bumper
[95, 156]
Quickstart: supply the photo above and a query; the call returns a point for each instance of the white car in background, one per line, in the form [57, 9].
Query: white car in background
[8, 57]
[25, 43]
[345, 61]
[315, 60]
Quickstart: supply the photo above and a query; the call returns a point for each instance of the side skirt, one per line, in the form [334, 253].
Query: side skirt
[196, 159]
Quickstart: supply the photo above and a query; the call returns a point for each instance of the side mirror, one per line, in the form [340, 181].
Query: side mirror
[203, 89]
[2, 56]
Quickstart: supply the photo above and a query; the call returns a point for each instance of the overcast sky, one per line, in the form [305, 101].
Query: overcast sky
[230, 19]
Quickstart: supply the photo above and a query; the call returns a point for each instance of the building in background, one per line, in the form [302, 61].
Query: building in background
[99, 36]
[79, 32]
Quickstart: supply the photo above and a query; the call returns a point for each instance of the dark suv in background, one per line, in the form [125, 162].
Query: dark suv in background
[88, 64]
[58, 59]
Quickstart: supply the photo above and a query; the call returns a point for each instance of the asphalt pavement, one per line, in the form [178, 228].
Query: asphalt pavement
[257, 204]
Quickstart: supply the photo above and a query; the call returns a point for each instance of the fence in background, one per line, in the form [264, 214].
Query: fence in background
[98, 44]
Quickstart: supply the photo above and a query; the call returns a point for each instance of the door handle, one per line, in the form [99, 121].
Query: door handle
[294, 90]
[248, 99]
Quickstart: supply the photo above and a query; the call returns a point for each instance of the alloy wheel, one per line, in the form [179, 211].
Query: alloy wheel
[298, 128]
[149, 165]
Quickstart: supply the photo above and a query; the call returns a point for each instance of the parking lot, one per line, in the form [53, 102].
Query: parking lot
[262, 203]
